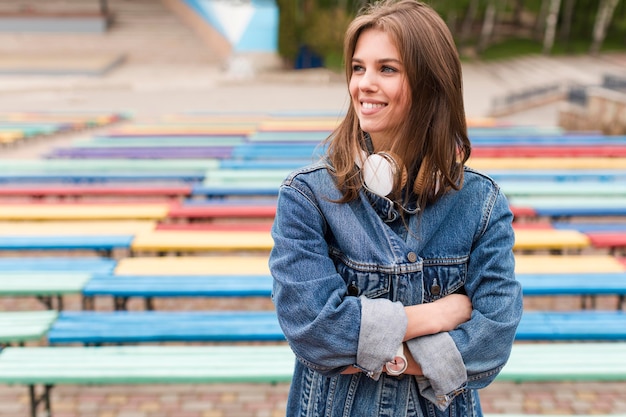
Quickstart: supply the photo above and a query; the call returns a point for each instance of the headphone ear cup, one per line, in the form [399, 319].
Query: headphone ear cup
[379, 172]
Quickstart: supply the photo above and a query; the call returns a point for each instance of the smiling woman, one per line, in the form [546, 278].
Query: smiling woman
[392, 262]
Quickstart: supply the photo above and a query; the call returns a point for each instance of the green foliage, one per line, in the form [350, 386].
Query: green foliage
[511, 48]
[320, 24]
[288, 29]
[324, 31]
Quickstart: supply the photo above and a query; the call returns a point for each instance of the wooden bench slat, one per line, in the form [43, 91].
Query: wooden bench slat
[27, 265]
[23, 326]
[80, 227]
[146, 364]
[573, 283]
[193, 265]
[29, 243]
[567, 264]
[165, 326]
[519, 162]
[175, 240]
[49, 283]
[531, 239]
[572, 325]
[214, 364]
[128, 211]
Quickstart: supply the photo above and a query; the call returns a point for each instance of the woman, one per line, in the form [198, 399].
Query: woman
[394, 276]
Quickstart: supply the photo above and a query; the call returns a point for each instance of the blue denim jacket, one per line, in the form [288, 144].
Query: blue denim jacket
[343, 272]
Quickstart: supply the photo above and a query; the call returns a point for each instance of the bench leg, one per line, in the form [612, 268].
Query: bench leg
[588, 302]
[36, 400]
[47, 301]
[119, 303]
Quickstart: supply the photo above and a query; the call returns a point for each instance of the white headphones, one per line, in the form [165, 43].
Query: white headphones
[378, 170]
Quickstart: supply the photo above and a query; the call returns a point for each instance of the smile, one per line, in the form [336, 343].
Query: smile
[372, 105]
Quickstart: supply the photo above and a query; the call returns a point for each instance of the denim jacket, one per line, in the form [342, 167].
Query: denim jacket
[343, 273]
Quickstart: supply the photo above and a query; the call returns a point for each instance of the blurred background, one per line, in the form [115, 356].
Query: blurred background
[518, 56]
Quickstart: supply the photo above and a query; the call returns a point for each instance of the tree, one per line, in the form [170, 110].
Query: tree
[603, 19]
[551, 21]
[488, 24]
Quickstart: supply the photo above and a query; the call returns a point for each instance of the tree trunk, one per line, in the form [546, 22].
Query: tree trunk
[603, 19]
[488, 23]
[566, 26]
[518, 7]
[541, 18]
[551, 21]
[470, 16]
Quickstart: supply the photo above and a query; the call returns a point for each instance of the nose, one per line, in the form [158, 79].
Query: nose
[368, 81]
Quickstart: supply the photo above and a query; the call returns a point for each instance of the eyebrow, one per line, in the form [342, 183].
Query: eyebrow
[381, 61]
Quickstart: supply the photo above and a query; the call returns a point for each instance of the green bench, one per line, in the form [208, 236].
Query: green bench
[45, 285]
[169, 364]
[18, 327]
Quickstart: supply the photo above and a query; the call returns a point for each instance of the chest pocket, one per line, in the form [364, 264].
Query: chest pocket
[368, 284]
[443, 278]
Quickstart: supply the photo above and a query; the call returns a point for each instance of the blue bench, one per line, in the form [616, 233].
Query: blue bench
[588, 285]
[95, 328]
[572, 325]
[557, 175]
[89, 327]
[123, 287]
[103, 245]
[28, 264]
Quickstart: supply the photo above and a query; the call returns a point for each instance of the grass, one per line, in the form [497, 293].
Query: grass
[512, 48]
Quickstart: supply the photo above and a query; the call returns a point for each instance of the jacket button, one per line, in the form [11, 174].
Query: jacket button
[353, 290]
[435, 289]
[412, 257]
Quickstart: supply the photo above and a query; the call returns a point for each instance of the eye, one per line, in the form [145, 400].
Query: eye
[388, 69]
[357, 68]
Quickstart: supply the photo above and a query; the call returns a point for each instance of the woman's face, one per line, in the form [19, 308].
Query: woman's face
[379, 87]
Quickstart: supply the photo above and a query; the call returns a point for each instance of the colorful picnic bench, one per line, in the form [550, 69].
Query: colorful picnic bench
[83, 211]
[46, 286]
[121, 288]
[19, 327]
[108, 365]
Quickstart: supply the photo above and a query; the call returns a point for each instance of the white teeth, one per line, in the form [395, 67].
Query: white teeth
[372, 105]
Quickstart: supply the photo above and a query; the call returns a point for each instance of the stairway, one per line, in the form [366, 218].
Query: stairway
[144, 31]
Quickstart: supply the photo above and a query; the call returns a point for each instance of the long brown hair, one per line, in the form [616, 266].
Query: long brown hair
[434, 135]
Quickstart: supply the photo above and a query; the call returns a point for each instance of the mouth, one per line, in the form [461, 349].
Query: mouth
[372, 106]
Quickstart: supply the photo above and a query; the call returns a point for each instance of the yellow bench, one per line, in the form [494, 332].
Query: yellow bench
[258, 264]
[77, 227]
[550, 239]
[200, 241]
[194, 265]
[83, 211]
[567, 264]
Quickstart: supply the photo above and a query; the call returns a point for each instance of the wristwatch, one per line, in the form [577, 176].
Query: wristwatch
[398, 364]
